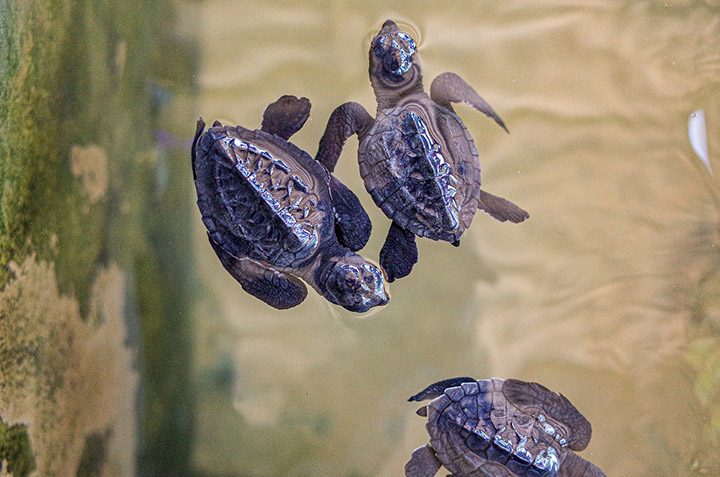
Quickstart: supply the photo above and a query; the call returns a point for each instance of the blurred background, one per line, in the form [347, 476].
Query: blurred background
[126, 349]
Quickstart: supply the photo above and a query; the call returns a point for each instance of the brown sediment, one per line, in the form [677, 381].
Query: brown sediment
[90, 164]
[65, 378]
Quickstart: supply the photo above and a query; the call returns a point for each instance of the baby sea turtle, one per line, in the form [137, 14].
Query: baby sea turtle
[418, 160]
[496, 427]
[274, 214]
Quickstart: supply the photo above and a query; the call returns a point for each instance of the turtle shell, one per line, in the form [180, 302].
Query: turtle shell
[260, 196]
[421, 168]
[477, 431]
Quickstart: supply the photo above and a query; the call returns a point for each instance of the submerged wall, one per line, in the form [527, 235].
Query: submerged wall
[94, 270]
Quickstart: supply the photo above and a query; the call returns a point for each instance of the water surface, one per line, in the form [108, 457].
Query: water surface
[607, 294]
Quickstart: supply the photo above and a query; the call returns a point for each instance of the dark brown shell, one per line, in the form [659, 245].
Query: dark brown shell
[427, 182]
[477, 430]
[260, 196]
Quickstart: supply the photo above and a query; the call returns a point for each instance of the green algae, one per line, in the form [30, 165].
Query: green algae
[16, 450]
[29, 74]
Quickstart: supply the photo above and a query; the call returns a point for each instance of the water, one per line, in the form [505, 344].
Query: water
[608, 294]
[605, 294]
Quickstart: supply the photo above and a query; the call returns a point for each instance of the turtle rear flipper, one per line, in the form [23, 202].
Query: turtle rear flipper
[501, 209]
[286, 116]
[399, 253]
[423, 463]
[436, 389]
[352, 224]
[275, 288]
[450, 88]
[199, 128]
[346, 120]
[556, 406]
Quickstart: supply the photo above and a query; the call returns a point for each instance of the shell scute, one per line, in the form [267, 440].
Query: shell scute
[478, 441]
[440, 403]
[469, 406]
[484, 405]
[455, 393]
[484, 385]
[470, 388]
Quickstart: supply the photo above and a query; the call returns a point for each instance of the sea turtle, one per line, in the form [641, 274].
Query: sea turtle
[500, 427]
[417, 158]
[274, 214]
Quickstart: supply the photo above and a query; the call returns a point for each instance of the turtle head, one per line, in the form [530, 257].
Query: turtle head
[393, 51]
[356, 284]
[394, 64]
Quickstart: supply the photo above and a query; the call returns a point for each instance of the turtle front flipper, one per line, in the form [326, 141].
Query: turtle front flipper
[275, 288]
[423, 463]
[450, 88]
[286, 116]
[346, 120]
[436, 389]
[501, 209]
[537, 400]
[399, 253]
[352, 224]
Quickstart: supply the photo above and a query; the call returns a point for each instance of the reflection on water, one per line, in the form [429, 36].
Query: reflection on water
[605, 294]
[697, 131]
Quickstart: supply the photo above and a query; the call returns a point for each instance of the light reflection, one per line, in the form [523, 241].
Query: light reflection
[697, 131]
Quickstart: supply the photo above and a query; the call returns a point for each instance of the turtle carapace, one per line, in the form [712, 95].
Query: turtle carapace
[500, 427]
[274, 215]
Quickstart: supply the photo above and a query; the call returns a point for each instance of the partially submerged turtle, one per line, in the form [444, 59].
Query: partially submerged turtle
[495, 427]
[417, 158]
[275, 215]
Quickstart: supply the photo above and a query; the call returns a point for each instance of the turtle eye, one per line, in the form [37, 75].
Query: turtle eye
[382, 45]
[409, 44]
[368, 278]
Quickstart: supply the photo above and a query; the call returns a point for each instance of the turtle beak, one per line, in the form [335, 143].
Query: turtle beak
[389, 26]
[380, 296]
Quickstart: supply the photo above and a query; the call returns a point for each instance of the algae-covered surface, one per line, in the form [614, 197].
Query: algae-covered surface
[93, 329]
[15, 449]
[65, 377]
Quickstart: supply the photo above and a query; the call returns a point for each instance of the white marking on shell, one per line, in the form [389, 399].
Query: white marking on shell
[308, 238]
[441, 170]
[522, 453]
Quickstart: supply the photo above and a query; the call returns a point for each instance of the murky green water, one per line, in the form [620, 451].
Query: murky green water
[609, 293]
